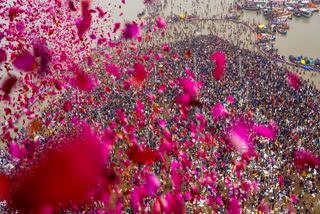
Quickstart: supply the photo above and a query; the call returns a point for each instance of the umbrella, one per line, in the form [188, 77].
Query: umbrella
[292, 58]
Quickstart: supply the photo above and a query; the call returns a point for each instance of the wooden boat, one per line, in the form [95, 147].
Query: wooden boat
[282, 31]
[283, 26]
[269, 36]
[314, 9]
[298, 15]
[305, 13]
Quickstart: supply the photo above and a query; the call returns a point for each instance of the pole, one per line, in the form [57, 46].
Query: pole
[240, 72]
[195, 66]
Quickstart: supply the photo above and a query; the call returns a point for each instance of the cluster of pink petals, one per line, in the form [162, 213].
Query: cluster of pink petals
[131, 31]
[219, 111]
[220, 60]
[294, 81]
[305, 160]
[161, 23]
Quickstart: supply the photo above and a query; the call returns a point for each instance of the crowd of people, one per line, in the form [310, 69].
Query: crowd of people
[261, 93]
[192, 168]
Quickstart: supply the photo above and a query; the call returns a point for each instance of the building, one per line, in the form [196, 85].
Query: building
[278, 2]
[292, 2]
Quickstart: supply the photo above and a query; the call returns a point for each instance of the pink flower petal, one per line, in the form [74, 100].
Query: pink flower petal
[162, 123]
[114, 70]
[220, 59]
[294, 81]
[84, 25]
[230, 99]
[14, 150]
[161, 23]
[25, 62]
[139, 74]
[131, 31]
[116, 27]
[218, 111]
[67, 106]
[264, 131]
[9, 84]
[83, 81]
[304, 160]
[3, 56]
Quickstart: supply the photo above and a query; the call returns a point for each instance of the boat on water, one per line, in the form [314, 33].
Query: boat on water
[282, 31]
[305, 13]
[269, 36]
[313, 9]
[296, 14]
[283, 26]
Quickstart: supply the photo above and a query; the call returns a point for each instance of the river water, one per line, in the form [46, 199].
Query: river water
[303, 37]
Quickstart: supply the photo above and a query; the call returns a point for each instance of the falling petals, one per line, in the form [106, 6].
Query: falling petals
[9, 84]
[161, 23]
[84, 25]
[131, 31]
[220, 60]
[116, 27]
[83, 81]
[305, 160]
[294, 81]
[218, 111]
[25, 62]
[3, 56]
[139, 74]
[59, 179]
[264, 131]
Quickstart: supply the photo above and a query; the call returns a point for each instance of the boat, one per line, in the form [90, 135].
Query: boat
[313, 9]
[305, 13]
[317, 62]
[282, 31]
[292, 58]
[283, 26]
[298, 15]
[262, 41]
[269, 36]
